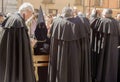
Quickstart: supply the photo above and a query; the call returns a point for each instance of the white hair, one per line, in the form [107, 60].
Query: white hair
[107, 12]
[118, 16]
[26, 6]
[81, 14]
[67, 12]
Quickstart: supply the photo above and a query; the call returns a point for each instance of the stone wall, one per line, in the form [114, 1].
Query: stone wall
[9, 6]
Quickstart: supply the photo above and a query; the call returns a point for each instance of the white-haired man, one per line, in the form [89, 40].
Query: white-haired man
[15, 52]
[107, 13]
[26, 10]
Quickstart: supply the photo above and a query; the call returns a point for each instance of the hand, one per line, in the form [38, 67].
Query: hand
[33, 41]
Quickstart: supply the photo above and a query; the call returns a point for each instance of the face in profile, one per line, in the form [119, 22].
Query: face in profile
[28, 14]
[118, 17]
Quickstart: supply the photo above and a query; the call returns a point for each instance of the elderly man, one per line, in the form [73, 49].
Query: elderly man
[15, 52]
[104, 45]
[69, 53]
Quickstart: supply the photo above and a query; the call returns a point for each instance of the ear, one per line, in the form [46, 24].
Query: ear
[23, 14]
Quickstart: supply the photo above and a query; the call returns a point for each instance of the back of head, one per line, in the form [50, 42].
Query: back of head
[80, 14]
[107, 12]
[67, 12]
[75, 11]
[94, 13]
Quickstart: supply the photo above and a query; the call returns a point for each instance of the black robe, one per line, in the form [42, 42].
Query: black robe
[42, 45]
[94, 24]
[69, 51]
[15, 52]
[104, 51]
[119, 54]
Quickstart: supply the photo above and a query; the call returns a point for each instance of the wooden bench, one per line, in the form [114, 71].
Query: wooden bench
[40, 61]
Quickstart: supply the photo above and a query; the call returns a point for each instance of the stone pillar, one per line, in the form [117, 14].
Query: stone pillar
[9, 6]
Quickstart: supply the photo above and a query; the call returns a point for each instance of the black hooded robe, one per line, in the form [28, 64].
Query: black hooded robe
[15, 52]
[105, 41]
[42, 45]
[69, 51]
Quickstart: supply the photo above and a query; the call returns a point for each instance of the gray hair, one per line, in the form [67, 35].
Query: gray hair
[94, 13]
[107, 12]
[67, 12]
[81, 14]
[26, 6]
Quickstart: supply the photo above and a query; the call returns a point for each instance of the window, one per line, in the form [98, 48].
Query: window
[53, 11]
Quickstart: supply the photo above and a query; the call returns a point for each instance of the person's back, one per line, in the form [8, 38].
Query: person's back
[69, 50]
[104, 45]
[15, 53]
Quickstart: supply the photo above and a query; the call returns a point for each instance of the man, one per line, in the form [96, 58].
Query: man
[94, 17]
[118, 19]
[15, 53]
[94, 24]
[75, 11]
[104, 45]
[84, 19]
[41, 46]
[69, 50]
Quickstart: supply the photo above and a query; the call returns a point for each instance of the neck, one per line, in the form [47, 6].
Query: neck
[22, 15]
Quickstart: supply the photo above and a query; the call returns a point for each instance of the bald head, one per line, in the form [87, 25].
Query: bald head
[94, 13]
[107, 12]
[118, 17]
[81, 14]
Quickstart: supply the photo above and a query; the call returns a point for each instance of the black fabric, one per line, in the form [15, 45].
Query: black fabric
[41, 31]
[41, 48]
[15, 52]
[43, 43]
[69, 51]
[94, 23]
[86, 24]
[43, 73]
[119, 55]
[104, 51]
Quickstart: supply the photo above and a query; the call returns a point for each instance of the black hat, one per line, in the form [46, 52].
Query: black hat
[41, 29]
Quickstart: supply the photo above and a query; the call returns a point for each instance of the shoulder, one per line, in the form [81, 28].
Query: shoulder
[14, 21]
